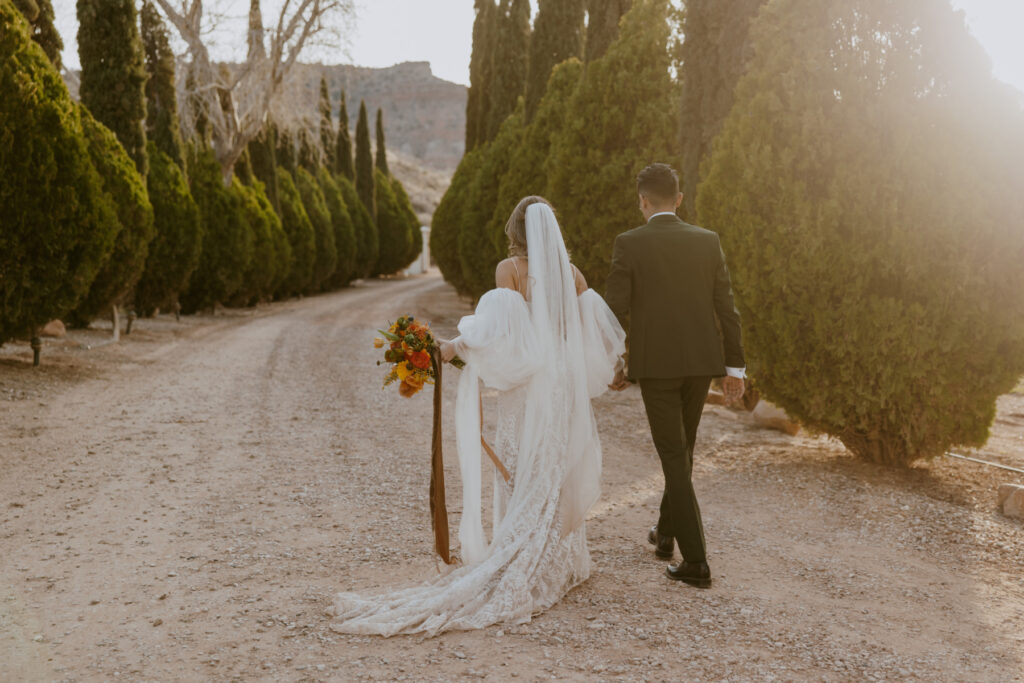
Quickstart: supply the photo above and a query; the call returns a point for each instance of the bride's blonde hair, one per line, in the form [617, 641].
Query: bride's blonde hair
[515, 229]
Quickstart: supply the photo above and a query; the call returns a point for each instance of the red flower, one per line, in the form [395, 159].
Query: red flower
[420, 359]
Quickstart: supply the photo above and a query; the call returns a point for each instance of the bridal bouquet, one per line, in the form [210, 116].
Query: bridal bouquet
[411, 349]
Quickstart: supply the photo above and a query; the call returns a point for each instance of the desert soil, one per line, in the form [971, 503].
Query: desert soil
[183, 505]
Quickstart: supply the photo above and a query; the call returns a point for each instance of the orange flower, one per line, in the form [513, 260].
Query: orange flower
[420, 359]
[408, 390]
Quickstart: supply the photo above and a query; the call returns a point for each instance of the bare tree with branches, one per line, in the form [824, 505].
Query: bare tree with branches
[235, 101]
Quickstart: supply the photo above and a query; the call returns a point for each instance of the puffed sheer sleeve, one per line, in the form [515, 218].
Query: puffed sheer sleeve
[604, 341]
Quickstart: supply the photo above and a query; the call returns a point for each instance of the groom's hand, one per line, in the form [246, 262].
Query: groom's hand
[733, 389]
[620, 382]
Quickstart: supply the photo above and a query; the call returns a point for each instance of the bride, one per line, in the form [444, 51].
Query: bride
[548, 345]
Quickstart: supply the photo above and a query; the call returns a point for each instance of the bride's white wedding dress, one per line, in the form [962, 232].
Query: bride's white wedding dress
[547, 358]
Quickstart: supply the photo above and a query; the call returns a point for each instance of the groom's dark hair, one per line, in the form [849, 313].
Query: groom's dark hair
[659, 183]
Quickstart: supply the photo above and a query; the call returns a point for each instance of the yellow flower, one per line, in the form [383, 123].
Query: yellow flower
[403, 371]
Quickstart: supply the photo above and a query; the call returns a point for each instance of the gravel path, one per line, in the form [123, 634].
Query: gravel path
[183, 505]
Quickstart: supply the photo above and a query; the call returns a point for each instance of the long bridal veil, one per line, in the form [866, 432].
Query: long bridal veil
[548, 357]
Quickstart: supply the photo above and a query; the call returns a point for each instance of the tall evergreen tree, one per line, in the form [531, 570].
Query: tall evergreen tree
[162, 125]
[479, 73]
[393, 228]
[328, 142]
[174, 252]
[620, 118]
[326, 255]
[40, 16]
[557, 36]
[287, 157]
[872, 225]
[367, 241]
[343, 155]
[603, 17]
[309, 154]
[714, 55]
[382, 153]
[58, 223]
[364, 163]
[114, 71]
[344, 230]
[263, 158]
[510, 61]
[127, 189]
[301, 236]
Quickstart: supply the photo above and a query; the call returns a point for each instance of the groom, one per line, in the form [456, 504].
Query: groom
[669, 287]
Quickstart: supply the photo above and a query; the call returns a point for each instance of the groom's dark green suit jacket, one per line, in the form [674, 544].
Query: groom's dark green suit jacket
[670, 289]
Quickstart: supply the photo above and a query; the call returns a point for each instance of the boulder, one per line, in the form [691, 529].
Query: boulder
[54, 328]
[770, 416]
[1011, 500]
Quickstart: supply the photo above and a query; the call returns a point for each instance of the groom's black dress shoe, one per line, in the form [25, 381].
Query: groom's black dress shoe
[694, 573]
[663, 545]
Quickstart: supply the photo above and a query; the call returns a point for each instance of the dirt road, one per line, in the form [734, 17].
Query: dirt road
[183, 505]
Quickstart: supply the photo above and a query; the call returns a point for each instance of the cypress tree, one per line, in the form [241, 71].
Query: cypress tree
[367, 241]
[620, 118]
[865, 256]
[714, 55]
[344, 230]
[393, 228]
[447, 221]
[511, 55]
[326, 254]
[263, 158]
[557, 36]
[174, 252]
[259, 276]
[127, 189]
[407, 214]
[114, 71]
[227, 248]
[343, 156]
[480, 62]
[364, 163]
[309, 154]
[40, 16]
[162, 125]
[287, 158]
[479, 249]
[527, 172]
[58, 223]
[382, 154]
[301, 236]
[328, 141]
[603, 17]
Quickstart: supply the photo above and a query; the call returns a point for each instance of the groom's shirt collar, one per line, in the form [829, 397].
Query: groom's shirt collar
[662, 213]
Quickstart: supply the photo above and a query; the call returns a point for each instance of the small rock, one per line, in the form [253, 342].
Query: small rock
[770, 416]
[38, 638]
[157, 622]
[54, 328]
[1011, 500]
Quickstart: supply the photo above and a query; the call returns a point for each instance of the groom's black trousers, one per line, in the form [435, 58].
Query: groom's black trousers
[674, 407]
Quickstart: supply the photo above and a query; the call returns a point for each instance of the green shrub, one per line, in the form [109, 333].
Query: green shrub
[367, 240]
[58, 223]
[621, 118]
[313, 200]
[301, 236]
[127, 189]
[174, 252]
[227, 246]
[407, 215]
[344, 230]
[872, 225]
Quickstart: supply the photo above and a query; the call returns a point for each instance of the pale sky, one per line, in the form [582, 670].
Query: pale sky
[440, 32]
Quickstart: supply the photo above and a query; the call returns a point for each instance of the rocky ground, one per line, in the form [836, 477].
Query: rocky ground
[182, 505]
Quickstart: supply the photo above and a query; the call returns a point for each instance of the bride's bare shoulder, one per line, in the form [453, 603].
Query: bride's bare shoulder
[505, 274]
